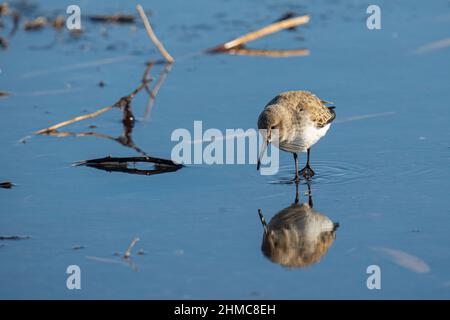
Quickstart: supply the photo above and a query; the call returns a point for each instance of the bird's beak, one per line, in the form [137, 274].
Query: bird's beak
[263, 149]
[263, 221]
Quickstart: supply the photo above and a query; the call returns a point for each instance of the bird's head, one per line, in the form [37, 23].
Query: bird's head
[269, 125]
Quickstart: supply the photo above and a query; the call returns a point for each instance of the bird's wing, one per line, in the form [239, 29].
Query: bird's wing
[323, 115]
[332, 114]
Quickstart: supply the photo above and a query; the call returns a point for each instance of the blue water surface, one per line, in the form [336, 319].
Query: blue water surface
[382, 171]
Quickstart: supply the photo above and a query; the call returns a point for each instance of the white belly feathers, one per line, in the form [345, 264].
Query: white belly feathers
[302, 138]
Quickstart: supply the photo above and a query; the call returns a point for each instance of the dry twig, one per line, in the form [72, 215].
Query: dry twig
[121, 103]
[152, 35]
[14, 237]
[127, 253]
[6, 185]
[268, 53]
[272, 28]
[79, 118]
[115, 18]
[111, 164]
[59, 22]
[124, 139]
[35, 24]
[124, 160]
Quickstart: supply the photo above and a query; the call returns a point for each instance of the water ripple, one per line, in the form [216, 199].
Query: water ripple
[327, 172]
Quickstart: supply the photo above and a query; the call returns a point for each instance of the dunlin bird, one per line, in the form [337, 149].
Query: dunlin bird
[297, 236]
[301, 119]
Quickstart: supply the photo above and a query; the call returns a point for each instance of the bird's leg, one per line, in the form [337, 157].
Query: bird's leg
[296, 193]
[310, 201]
[297, 177]
[307, 172]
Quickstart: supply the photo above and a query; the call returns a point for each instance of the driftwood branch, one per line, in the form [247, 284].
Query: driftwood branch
[14, 237]
[111, 164]
[152, 35]
[121, 103]
[76, 119]
[124, 104]
[6, 185]
[143, 172]
[159, 161]
[272, 28]
[127, 253]
[115, 18]
[268, 53]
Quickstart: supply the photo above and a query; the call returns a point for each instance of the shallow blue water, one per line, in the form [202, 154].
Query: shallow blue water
[382, 170]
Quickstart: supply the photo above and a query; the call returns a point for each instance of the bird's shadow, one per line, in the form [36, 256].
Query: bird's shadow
[297, 236]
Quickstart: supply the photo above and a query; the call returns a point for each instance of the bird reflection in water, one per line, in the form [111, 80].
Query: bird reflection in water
[297, 236]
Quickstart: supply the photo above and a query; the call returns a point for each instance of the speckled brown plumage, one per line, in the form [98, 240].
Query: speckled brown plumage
[300, 100]
[300, 120]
